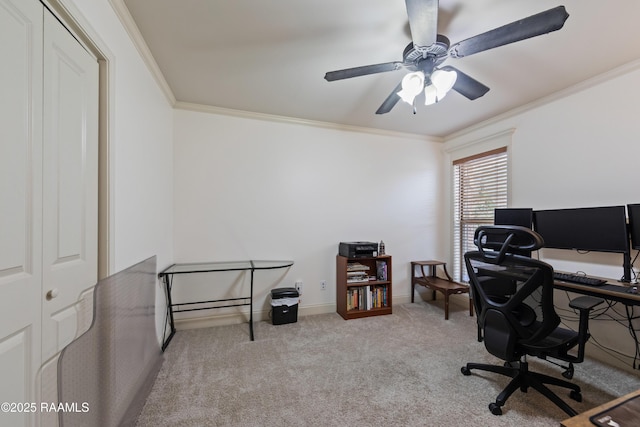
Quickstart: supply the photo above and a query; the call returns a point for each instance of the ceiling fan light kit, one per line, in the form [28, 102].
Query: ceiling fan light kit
[412, 85]
[431, 95]
[428, 50]
[443, 81]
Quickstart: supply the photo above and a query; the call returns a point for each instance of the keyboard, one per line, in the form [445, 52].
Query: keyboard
[578, 278]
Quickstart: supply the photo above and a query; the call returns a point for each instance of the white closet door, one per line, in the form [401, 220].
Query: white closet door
[20, 203]
[70, 183]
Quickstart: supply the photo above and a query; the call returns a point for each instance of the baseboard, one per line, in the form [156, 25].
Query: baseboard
[261, 315]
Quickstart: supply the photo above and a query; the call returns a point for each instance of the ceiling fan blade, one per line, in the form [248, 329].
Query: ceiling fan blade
[423, 20]
[391, 100]
[534, 25]
[466, 85]
[362, 71]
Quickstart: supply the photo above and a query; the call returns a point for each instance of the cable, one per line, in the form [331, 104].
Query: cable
[634, 276]
[632, 331]
[608, 313]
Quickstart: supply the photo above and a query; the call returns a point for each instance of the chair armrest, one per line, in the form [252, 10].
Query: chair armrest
[585, 303]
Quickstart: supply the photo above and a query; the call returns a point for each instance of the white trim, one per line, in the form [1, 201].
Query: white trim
[130, 26]
[106, 159]
[132, 30]
[460, 149]
[70, 16]
[578, 87]
[263, 315]
[296, 121]
[235, 318]
[141, 46]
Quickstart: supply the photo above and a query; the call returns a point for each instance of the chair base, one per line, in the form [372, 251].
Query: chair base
[523, 379]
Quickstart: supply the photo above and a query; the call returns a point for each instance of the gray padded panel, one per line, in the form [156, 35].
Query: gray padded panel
[112, 366]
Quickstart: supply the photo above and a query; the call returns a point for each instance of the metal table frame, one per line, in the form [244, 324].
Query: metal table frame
[210, 267]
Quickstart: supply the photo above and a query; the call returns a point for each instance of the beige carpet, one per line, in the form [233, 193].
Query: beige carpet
[397, 370]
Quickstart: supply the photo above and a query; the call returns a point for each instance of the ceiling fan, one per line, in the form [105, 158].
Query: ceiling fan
[428, 50]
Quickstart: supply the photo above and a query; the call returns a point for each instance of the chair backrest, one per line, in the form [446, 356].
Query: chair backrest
[513, 294]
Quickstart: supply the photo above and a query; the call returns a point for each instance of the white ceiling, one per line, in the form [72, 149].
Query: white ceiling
[270, 57]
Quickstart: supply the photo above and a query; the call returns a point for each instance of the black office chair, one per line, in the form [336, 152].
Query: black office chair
[513, 295]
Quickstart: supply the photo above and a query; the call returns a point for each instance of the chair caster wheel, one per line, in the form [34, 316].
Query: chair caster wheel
[495, 409]
[465, 371]
[568, 374]
[576, 395]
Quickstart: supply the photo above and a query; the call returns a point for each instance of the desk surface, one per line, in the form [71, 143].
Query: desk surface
[204, 267]
[582, 420]
[612, 290]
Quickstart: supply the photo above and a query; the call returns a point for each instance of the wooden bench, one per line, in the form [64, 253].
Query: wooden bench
[431, 281]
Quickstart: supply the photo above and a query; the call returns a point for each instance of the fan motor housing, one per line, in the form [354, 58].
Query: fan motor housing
[437, 51]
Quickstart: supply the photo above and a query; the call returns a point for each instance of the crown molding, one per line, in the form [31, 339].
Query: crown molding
[130, 26]
[297, 121]
[578, 87]
[499, 139]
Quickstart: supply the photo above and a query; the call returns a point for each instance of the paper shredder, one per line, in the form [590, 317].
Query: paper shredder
[284, 305]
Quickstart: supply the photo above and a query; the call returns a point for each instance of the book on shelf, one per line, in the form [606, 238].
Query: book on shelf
[367, 297]
[356, 266]
[357, 274]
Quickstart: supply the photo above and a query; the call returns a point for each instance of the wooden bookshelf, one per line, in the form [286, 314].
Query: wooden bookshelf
[363, 286]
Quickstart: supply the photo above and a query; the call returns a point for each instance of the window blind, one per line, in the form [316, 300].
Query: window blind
[480, 186]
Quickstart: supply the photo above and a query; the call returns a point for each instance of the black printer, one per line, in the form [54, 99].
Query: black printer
[358, 249]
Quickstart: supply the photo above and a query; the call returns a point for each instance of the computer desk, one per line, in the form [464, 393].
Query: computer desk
[612, 290]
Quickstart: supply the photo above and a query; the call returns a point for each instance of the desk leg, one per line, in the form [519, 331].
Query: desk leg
[168, 279]
[251, 309]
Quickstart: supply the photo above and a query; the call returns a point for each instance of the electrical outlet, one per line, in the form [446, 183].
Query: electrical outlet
[299, 286]
[323, 285]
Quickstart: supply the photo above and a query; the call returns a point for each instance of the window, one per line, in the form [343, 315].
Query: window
[480, 186]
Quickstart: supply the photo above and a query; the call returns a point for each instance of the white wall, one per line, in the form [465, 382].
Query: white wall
[580, 150]
[257, 189]
[141, 148]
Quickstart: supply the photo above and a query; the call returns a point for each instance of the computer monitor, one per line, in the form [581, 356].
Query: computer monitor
[634, 225]
[600, 229]
[514, 216]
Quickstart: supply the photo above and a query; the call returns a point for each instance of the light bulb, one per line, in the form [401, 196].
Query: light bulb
[443, 81]
[412, 85]
[430, 95]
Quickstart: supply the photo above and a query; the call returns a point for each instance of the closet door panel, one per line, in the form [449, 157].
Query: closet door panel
[20, 203]
[70, 199]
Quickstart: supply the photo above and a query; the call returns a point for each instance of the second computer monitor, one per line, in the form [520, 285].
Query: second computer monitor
[514, 216]
[634, 225]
